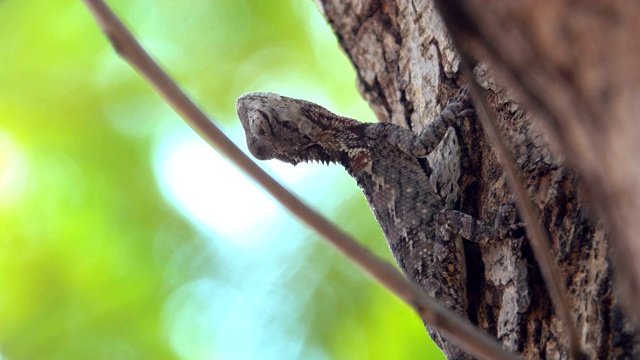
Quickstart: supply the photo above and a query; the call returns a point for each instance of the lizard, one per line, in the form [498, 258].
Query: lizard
[383, 159]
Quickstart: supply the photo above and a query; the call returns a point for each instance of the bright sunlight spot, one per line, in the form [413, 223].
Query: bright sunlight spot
[13, 171]
[217, 197]
[208, 189]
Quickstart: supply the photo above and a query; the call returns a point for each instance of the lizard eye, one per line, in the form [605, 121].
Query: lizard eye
[259, 122]
[305, 126]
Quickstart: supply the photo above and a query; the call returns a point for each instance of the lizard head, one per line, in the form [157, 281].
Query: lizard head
[290, 130]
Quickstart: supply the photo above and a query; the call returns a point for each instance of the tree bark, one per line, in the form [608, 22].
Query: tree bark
[407, 68]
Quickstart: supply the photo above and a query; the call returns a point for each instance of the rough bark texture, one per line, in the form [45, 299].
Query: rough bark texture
[407, 69]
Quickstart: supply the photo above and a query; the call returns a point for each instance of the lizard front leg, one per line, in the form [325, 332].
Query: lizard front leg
[422, 144]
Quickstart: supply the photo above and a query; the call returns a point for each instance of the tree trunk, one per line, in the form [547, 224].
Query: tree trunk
[407, 69]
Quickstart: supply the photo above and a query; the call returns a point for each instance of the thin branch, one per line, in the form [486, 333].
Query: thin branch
[458, 23]
[463, 333]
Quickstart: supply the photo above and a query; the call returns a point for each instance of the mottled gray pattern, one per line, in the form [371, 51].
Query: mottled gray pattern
[382, 158]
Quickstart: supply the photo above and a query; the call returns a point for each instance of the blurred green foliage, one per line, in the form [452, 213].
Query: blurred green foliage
[96, 260]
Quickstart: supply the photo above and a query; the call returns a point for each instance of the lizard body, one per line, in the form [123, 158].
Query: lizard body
[383, 159]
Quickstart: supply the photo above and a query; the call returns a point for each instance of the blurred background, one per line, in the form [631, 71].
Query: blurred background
[124, 236]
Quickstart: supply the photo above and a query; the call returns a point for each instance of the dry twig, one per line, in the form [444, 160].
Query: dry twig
[462, 332]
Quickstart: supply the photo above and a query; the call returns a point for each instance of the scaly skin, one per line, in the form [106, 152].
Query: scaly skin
[382, 158]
